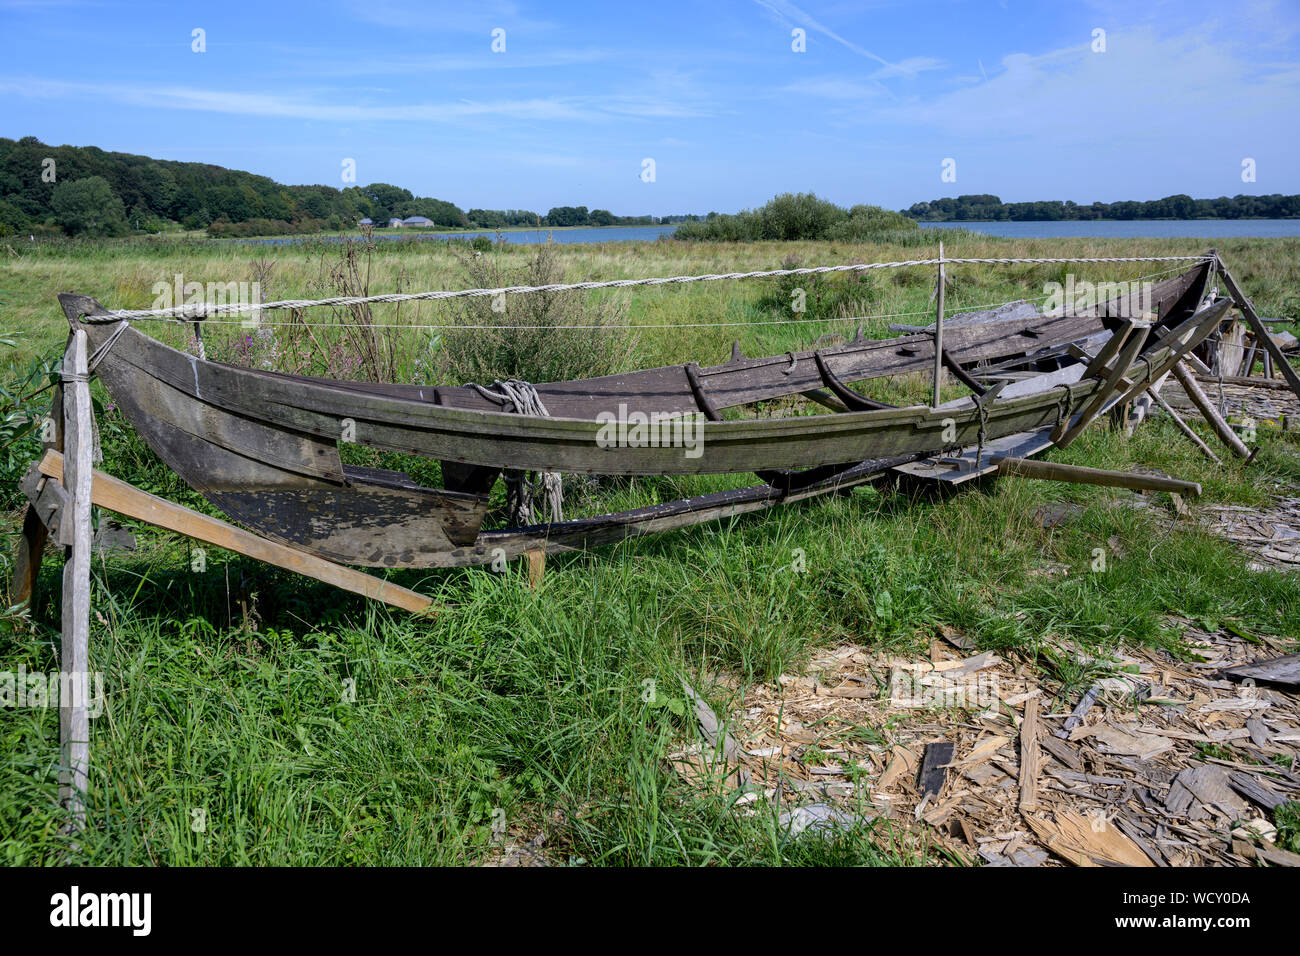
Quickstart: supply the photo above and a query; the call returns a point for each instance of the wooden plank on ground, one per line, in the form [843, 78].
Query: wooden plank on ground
[969, 463]
[1029, 756]
[934, 767]
[1283, 671]
[116, 495]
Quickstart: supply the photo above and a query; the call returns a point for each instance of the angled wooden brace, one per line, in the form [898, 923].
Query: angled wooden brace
[1134, 337]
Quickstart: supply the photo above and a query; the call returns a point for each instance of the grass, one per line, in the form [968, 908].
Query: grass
[252, 717]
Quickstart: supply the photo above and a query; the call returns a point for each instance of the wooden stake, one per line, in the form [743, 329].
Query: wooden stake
[536, 567]
[1211, 414]
[938, 332]
[1186, 429]
[1055, 471]
[74, 719]
[1270, 347]
[116, 495]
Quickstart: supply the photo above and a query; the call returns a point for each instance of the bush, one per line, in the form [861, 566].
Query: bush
[88, 207]
[224, 229]
[539, 337]
[825, 296]
[803, 216]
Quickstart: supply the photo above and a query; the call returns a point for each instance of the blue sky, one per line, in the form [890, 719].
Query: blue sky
[712, 92]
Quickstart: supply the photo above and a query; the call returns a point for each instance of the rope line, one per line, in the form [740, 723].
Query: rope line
[201, 310]
[262, 323]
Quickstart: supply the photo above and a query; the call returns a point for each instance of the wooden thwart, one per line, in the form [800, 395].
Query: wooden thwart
[116, 495]
[1055, 471]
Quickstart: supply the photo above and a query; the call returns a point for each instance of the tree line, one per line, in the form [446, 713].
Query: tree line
[84, 190]
[984, 207]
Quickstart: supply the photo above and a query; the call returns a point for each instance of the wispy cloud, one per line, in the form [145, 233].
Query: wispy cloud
[578, 108]
[459, 16]
[790, 14]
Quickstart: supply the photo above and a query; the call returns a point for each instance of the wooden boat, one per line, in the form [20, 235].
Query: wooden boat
[264, 446]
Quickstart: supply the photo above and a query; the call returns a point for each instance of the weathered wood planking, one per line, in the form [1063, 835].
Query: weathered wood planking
[504, 440]
[1284, 671]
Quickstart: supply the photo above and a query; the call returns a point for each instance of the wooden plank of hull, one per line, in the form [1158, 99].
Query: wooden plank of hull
[745, 380]
[503, 440]
[582, 533]
[354, 516]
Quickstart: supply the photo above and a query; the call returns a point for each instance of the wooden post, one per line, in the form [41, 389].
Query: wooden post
[74, 719]
[1056, 471]
[938, 332]
[1270, 347]
[1211, 414]
[1186, 429]
[536, 567]
[1029, 756]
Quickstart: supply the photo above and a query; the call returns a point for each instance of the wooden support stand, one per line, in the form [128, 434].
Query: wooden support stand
[1186, 429]
[1055, 471]
[1211, 414]
[1261, 333]
[1133, 337]
[116, 495]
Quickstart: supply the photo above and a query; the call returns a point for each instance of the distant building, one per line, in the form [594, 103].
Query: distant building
[416, 221]
[395, 223]
[366, 222]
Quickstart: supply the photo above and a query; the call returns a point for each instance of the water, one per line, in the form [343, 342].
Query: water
[1091, 229]
[520, 236]
[1132, 228]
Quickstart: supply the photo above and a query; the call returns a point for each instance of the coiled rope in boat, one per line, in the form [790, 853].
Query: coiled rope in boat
[520, 397]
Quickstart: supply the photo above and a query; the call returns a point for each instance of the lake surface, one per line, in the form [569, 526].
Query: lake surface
[520, 236]
[1092, 229]
[1132, 228]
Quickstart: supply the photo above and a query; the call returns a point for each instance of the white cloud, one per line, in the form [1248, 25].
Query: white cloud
[1145, 87]
[581, 108]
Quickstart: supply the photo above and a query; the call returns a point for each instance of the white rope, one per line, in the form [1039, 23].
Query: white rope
[199, 310]
[521, 397]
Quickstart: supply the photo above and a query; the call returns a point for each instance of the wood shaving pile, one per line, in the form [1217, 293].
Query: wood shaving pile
[1173, 765]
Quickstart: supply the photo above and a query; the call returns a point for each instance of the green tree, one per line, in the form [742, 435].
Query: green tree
[88, 206]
